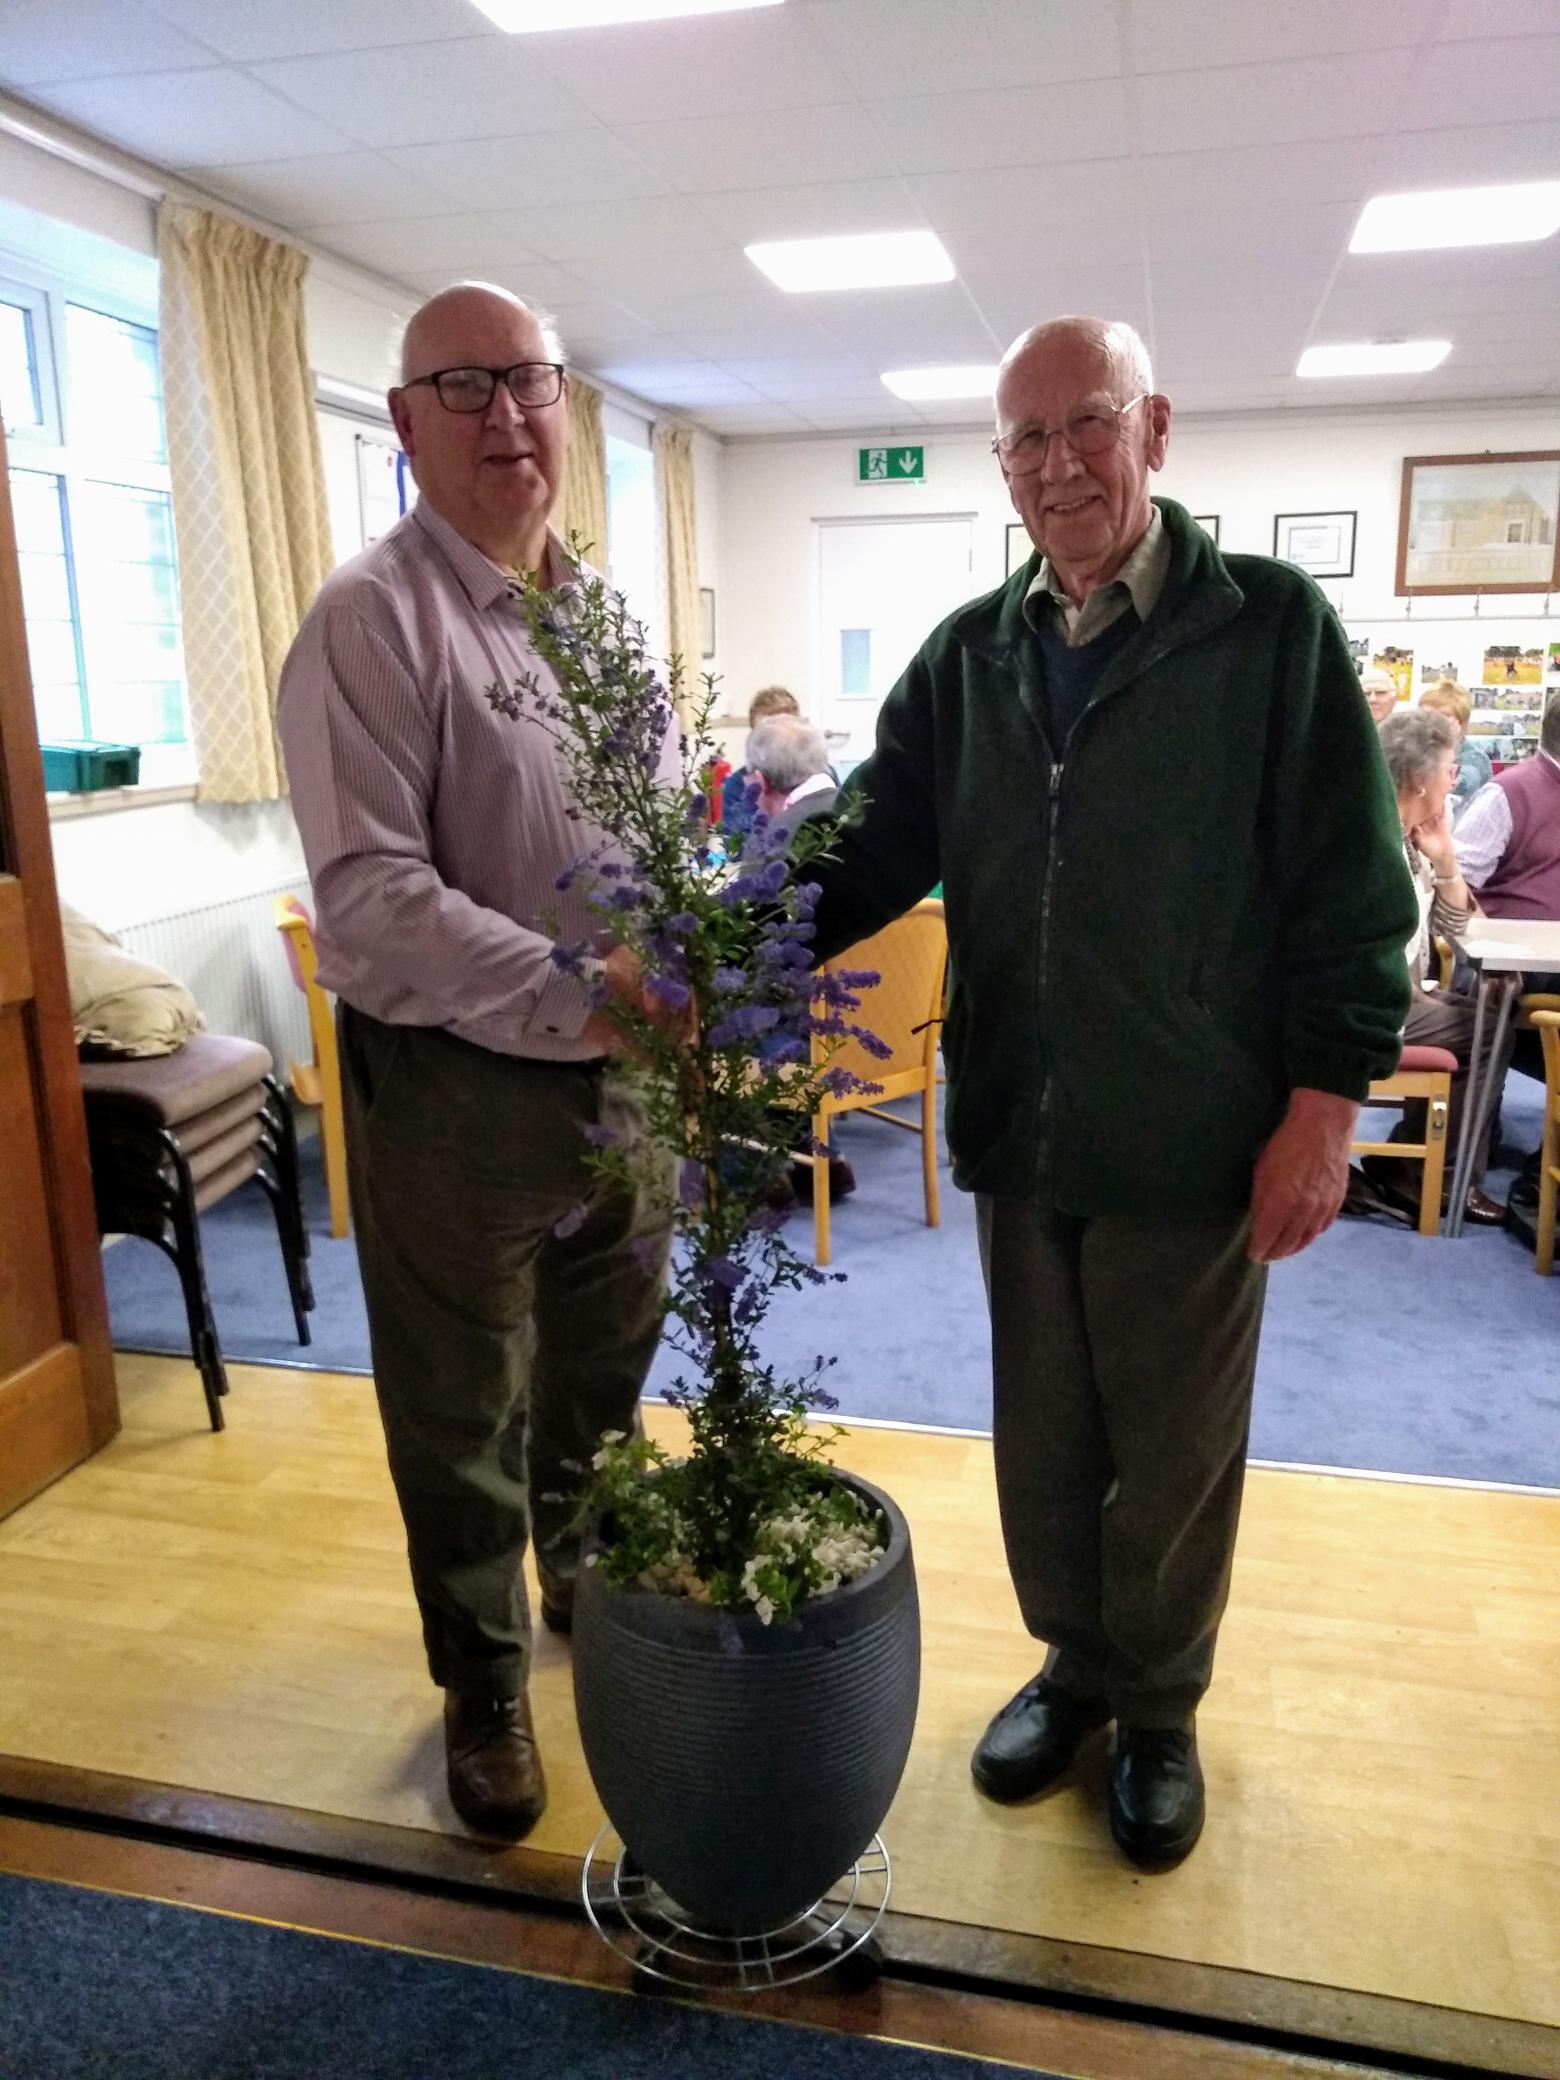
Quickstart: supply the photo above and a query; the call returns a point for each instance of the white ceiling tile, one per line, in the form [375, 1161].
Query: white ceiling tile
[731, 419]
[679, 382]
[1245, 281]
[877, 414]
[428, 93]
[1271, 104]
[536, 282]
[338, 188]
[1177, 35]
[666, 275]
[1040, 246]
[708, 154]
[568, 167]
[894, 47]
[425, 243]
[723, 64]
[1513, 79]
[297, 28]
[1341, 169]
[745, 343]
[1005, 126]
[42, 42]
[598, 230]
[1320, 228]
[820, 210]
[1456, 158]
[1474, 20]
[207, 118]
[833, 371]
[1023, 201]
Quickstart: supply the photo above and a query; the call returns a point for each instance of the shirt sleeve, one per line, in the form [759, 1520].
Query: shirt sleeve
[1483, 832]
[362, 744]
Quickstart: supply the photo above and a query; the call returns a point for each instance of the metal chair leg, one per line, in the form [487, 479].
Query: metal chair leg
[286, 1232]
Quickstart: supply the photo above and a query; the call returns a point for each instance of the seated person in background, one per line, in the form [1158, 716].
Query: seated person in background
[736, 812]
[1508, 846]
[1473, 764]
[1380, 691]
[1420, 747]
[789, 760]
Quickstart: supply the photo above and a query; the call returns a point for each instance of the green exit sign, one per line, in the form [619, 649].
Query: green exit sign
[890, 465]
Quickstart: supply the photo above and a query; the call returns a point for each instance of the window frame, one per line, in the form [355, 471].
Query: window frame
[48, 449]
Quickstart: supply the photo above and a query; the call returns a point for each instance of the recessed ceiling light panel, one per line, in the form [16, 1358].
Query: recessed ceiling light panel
[1512, 214]
[869, 260]
[1388, 357]
[520, 17]
[922, 385]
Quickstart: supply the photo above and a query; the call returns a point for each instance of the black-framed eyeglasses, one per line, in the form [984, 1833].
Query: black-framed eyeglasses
[529, 383]
[1088, 431]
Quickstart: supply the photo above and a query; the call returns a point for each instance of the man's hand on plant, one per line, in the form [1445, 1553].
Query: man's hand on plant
[623, 973]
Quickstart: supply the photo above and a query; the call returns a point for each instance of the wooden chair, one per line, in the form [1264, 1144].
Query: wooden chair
[318, 1082]
[904, 1010]
[1547, 1024]
[1425, 1073]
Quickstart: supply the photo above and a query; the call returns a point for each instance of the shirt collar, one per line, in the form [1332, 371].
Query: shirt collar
[483, 581]
[815, 785]
[1143, 573]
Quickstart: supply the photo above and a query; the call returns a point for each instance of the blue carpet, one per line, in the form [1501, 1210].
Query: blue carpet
[1382, 1349]
[98, 1987]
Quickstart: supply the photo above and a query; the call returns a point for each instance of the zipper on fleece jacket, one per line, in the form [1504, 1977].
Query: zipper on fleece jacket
[1043, 1137]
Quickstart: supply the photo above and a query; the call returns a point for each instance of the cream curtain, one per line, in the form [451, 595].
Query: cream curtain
[248, 488]
[674, 482]
[582, 509]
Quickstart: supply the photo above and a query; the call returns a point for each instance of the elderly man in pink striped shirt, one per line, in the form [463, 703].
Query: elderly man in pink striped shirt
[513, 1300]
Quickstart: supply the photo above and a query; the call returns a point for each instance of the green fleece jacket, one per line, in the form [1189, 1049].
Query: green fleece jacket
[1159, 928]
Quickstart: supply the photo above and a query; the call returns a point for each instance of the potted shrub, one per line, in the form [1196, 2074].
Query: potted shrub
[746, 1632]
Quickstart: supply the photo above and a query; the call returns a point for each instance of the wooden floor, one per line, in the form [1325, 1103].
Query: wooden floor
[233, 1614]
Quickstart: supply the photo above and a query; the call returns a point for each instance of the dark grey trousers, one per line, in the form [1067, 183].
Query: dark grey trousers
[501, 1351]
[1123, 1354]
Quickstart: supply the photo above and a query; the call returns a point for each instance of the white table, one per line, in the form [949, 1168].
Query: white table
[1497, 948]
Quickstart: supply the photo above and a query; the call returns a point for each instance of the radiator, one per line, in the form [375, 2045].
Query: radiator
[232, 960]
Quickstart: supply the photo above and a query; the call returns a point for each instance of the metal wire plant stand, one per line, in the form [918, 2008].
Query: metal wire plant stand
[643, 1924]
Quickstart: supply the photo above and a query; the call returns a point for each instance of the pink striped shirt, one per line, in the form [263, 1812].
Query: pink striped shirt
[435, 829]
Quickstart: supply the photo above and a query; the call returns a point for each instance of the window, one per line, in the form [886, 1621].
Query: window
[631, 520]
[81, 393]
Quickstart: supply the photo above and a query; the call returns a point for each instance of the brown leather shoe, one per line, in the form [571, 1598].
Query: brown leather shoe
[495, 1773]
[1482, 1209]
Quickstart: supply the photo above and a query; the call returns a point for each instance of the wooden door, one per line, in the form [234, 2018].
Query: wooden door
[57, 1395]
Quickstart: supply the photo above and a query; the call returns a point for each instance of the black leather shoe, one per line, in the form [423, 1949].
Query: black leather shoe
[1033, 1739]
[495, 1773]
[1156, 1795]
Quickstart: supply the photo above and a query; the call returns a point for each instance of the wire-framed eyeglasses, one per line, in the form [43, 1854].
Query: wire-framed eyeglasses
[530, 383]
[1088, 431]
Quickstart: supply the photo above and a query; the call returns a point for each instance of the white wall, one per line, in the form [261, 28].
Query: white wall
[1245, 470]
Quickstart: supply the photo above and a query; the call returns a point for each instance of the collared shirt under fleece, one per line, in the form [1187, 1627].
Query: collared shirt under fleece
[1158, 931]
[435, 828]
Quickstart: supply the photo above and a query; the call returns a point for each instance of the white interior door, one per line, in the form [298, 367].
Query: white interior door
[883, 586]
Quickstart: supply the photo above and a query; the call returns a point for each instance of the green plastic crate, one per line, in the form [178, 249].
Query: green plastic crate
[84, 768]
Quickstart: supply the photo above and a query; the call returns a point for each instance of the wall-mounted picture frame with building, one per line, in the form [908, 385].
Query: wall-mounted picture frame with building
[1018, 548]
[1319, 543]
[1480, 523]
[706, 621]
[1209, 523]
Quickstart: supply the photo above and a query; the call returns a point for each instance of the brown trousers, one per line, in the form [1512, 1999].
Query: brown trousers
[1123, 1355]
[501, 1350]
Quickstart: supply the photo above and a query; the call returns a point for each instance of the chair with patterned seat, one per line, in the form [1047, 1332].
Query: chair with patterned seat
[1423, 1074]
[171, 1135]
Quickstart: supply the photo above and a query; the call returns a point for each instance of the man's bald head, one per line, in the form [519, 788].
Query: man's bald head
[1118, 346]
[450, 313]
[1080, 428]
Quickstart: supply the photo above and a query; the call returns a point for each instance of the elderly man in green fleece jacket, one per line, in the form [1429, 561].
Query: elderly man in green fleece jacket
[1177, 908]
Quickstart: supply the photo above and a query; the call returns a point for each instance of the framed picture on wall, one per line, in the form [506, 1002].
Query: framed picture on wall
[1018, 547]
[1480, 523]
[1321, 543]
[706, 621]
[1209, 523]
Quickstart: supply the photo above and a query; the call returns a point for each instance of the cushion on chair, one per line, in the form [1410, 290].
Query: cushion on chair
[1421, 1061]
[209, 1069]
[227, 1179]
[205, 1127]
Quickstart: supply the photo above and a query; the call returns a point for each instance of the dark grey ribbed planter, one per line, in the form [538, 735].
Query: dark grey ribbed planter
[746, 1766]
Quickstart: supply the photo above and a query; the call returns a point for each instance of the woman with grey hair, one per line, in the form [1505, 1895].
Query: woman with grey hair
[1420, 746]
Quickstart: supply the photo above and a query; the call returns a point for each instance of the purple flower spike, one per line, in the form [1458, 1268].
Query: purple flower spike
[725, 1273]
[571, 1223]
[690, 1182]
[600, 1137]
[668, 992]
